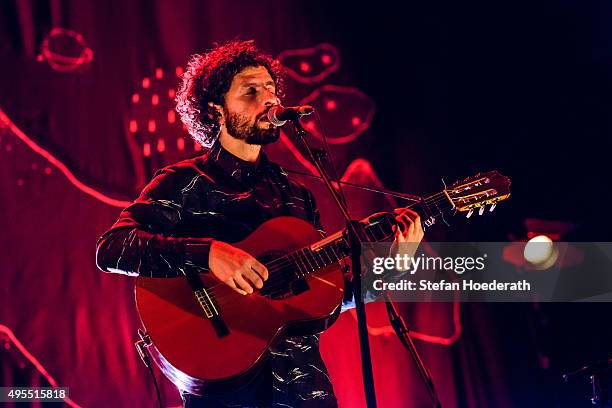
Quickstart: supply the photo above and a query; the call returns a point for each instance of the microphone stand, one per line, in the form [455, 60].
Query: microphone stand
[356, 235]
[400, 328]
[396, 320]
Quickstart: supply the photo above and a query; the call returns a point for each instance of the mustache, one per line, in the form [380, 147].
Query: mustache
[264, 114]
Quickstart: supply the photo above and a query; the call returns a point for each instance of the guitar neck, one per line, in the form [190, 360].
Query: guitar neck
[378, 228]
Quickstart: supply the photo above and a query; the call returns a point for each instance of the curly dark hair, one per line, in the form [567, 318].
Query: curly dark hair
[209, 76]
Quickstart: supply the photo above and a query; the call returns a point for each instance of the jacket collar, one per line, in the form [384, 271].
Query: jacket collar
[241, 170]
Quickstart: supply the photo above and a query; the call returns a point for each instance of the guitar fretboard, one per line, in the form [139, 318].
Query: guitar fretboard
[335, 247]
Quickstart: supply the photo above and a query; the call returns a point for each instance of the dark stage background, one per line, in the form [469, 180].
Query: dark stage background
[410, 94]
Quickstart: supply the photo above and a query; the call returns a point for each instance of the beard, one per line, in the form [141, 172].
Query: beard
[239, 127]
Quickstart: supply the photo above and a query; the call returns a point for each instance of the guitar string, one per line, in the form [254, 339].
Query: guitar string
[275, 266]
[232, 306]
[284, 262]
[305, 258]
[277, 281]
[280, 274]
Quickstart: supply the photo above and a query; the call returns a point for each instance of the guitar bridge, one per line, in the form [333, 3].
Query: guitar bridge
[212, 314]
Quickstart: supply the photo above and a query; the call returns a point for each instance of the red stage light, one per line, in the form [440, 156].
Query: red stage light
[159, 73]
[325, 59]
[171, 116]
[179, 71]
[152, 126]
[180, 144]
[171, 93]
[135, 98]
[146, 150]
[133, 126]
[146, 82]
[304, 66]
[161, 145]
[155, 99]
[330, 104]
[356, 121]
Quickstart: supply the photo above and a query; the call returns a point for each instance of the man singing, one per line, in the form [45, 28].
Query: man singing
[191, 211]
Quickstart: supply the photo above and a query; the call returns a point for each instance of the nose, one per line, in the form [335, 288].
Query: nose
[270, 99]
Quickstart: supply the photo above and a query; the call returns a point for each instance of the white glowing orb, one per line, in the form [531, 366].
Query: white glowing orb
[538, 250]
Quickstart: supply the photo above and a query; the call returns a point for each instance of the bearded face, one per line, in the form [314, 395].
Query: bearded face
[259, 132]
[251, 93]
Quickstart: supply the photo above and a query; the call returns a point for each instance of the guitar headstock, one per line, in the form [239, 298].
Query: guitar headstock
[478, 191]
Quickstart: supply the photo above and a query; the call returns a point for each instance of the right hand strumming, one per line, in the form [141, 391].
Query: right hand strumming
[236, 268]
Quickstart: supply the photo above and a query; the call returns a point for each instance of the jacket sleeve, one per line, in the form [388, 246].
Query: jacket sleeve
[142, 242]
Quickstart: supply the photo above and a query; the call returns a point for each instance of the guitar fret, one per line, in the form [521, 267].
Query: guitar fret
[425, 208]
[370, 233]
[317, 256]
[382, 232]
[334, 252]
[299, 258]
[323, 251]
[373, 236]
[390, 226]
[326, 252]
[296, 264]
[313, 256]
[303, 261]
[325, 256]
[438, 207]
[305, 256]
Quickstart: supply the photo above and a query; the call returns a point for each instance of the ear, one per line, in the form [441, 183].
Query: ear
[219, 110]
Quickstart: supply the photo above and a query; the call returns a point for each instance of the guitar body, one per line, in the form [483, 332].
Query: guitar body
[185, 344]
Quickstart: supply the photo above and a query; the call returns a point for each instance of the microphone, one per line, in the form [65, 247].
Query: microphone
[278, 115]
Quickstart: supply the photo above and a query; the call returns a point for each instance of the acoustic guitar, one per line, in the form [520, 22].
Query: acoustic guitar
[204, 336]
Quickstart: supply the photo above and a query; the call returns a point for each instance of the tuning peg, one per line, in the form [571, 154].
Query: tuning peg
[469, 214]
[492, 207]
[481, 210]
